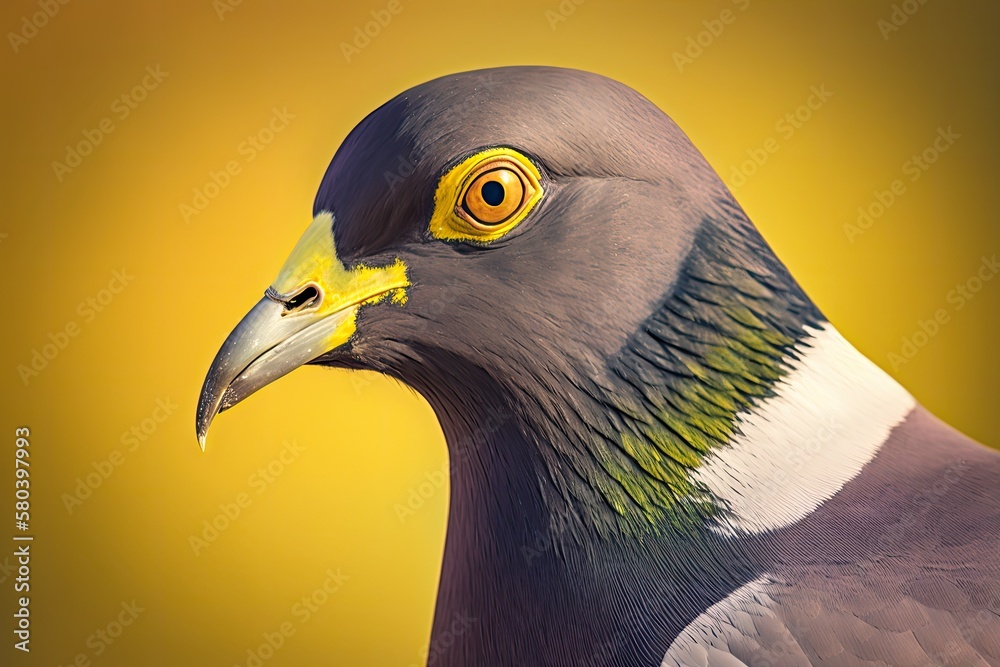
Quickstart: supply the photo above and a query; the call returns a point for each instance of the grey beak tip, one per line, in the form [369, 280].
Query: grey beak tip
[201, 429]
[204, 417]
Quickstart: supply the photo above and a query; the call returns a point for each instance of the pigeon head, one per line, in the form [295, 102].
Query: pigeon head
[542, 251]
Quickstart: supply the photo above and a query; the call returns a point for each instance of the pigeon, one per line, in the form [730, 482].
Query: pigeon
[661, 452]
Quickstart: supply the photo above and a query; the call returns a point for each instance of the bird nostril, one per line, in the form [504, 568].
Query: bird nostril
[306, 298]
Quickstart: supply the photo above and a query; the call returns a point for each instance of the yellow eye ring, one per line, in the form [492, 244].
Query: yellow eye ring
[485, 196]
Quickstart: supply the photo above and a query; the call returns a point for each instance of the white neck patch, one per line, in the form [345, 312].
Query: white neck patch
[795, 450]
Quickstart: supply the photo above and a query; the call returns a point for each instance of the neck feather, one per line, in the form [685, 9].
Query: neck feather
[734, 410]
[622, 446]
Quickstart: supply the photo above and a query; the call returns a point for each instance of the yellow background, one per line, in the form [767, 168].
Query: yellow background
[368, 441]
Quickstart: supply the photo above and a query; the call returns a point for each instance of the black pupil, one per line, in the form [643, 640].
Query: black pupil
[493, 193]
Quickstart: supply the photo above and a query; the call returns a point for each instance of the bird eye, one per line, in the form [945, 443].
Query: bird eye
[485, 196]
[494, 196]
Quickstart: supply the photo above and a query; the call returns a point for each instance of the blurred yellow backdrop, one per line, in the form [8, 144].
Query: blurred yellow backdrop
[133, 293]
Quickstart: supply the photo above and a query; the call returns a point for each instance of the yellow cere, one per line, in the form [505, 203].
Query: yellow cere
[448, 224]
[314, 262]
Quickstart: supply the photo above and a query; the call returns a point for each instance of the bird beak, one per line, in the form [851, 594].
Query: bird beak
[309, 310]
